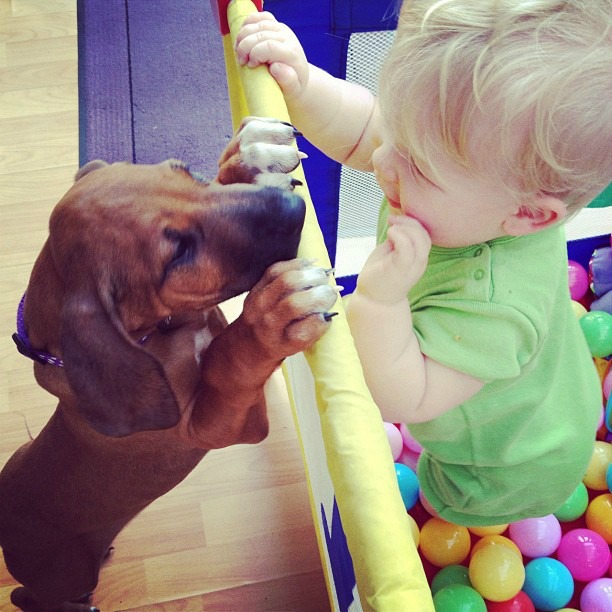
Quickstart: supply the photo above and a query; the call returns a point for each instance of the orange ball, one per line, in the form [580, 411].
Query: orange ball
[598, 516]
[595, 477]
[444, 543]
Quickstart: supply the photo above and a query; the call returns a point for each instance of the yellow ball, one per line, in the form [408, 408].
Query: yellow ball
[579, 309]
[496, 540]
[444, 543]
[497, 572]
[595, 477]
[490, 530]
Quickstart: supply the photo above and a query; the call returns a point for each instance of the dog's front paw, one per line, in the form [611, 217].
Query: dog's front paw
[262, 152]
[290, 308]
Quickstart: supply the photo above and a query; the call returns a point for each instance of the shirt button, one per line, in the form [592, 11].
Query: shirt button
[478, 252]
[478, 274]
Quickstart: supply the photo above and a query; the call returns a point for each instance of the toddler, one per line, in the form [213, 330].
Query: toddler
[492, 126]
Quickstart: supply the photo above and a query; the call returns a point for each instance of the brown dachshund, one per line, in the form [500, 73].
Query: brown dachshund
[122, 320]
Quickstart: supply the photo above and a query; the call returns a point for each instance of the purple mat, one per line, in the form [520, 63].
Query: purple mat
[152, 82]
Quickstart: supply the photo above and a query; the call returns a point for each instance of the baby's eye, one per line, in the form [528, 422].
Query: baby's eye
[417, 173]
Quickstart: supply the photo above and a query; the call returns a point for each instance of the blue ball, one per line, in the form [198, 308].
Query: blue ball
[609, 477]
[408, 484]
[548, 583]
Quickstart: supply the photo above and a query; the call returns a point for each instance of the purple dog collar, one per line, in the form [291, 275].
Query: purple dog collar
[24, 346]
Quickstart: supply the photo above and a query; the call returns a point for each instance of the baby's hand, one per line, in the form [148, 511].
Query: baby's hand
[394, 266]
[263, 40]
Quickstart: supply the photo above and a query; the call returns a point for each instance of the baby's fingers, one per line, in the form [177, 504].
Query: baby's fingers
[403, 225]
[255, 23]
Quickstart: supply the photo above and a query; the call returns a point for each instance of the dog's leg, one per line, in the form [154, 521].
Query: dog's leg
[286, 312]
[62, 575]
[24, 600]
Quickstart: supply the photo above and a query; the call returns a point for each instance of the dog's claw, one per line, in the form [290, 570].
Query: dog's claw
[296, 132]
[296, 182]
[328, 316]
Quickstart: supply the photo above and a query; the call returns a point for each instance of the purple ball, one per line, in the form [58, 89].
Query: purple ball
[597, 596]
[537, 537]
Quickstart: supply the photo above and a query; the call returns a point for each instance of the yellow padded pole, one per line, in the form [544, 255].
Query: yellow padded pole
[390, 576]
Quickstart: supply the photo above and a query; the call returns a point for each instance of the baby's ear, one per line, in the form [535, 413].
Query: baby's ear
[535, 215]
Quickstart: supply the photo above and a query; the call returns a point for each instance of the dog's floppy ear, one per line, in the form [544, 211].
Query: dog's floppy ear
[120, 388]
[89, 167]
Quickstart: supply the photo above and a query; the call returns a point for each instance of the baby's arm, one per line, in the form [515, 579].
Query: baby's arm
[338, 117]
[406, 385]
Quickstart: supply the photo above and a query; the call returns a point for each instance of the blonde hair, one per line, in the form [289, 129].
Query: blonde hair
[536, 72]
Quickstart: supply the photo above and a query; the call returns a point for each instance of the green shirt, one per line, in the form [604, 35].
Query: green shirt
[501, 312]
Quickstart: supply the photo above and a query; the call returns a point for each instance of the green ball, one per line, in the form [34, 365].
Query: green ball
[597, 328]
[575, 505]
[458, 598]
[449, 575]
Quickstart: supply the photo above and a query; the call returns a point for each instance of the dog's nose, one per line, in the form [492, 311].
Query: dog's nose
[286, 210]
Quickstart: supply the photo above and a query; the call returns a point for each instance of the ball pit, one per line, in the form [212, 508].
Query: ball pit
[561, 562]
[463, 578]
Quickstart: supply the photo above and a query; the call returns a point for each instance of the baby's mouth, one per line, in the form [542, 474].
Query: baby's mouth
[394, 204]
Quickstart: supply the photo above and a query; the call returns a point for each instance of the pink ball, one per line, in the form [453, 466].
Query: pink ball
[607, 384]
[585, 554]
[395, 440]
[409, 441]
[578, 280]
[536, 537]
[597, 596]
[407, 457]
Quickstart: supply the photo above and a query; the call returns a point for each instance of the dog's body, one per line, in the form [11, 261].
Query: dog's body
[125, 294]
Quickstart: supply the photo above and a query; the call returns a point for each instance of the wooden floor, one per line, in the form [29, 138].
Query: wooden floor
[237, 534]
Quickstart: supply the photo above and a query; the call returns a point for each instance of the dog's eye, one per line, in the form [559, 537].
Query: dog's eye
[185, 246]
[177, 164]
